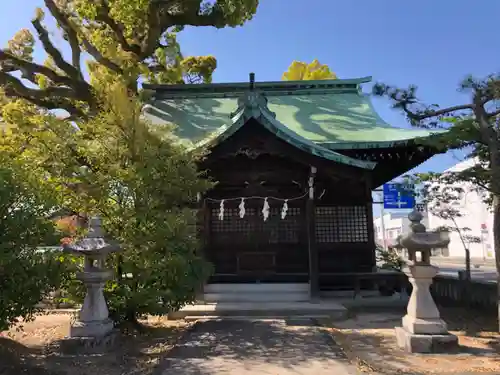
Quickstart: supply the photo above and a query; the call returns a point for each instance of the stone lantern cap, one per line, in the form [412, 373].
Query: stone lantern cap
[94, 243]
[419, 238]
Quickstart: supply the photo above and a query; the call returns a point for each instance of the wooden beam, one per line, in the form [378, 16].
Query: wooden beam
[203, 229]
[311, 239]
[369, 217]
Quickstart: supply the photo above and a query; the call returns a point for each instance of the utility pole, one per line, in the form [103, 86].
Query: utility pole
[382, 222]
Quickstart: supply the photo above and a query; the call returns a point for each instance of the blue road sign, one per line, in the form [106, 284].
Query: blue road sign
[398, 196]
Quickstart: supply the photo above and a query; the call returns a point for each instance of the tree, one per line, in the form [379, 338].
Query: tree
[301, 71]
[125, 40]
[26, 275]
[442, 200]
[475, 125]
[144, 186]
[99, 157]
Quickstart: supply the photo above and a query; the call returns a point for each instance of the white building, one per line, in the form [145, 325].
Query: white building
[476, 216]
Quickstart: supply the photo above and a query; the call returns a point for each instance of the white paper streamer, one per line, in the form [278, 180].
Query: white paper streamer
[242, 208]
[265, 209]
[221, 210]
[284, 209]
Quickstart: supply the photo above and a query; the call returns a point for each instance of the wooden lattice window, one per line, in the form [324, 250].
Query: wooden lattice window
[277, 230]
[253, 229]
[341, 224]
[232, 221]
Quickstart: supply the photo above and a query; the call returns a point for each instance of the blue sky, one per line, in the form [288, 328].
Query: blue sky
[432, 44]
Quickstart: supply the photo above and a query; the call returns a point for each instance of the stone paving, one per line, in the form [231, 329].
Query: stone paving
[265, 347]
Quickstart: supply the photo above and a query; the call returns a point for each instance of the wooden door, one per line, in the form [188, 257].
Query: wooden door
[252, 249]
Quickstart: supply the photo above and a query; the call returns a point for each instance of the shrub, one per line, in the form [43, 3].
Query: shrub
[26, 274]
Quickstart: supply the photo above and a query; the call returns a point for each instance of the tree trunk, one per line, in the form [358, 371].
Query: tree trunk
[490, 137]
[496, 241]
[467, 264]
[495, 188]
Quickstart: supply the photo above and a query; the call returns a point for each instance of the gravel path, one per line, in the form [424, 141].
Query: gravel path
[244, 347]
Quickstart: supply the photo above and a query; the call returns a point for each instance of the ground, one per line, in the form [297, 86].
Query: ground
[276, 347]
[30, 351]
[368, 338]
[265, 347]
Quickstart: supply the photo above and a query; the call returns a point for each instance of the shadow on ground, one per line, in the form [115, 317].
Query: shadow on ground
[135, 353]
[265, 347]
[368, 337]
[15, 359]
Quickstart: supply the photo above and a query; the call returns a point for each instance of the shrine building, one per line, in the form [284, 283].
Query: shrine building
[295, 164]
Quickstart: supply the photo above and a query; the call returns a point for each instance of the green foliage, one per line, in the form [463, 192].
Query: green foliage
[473, 125]
[102, 159]
[144, 186]
[123, 40]
[26, 275]
[301, 71]
[443, 194]
[389, 259]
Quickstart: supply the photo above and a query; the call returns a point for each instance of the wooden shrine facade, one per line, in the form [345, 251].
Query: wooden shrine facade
[325, 233]
[313, 186]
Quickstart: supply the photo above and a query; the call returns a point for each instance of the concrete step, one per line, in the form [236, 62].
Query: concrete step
[194, 318]
[279, 310]
[257, 288]
[257, 297]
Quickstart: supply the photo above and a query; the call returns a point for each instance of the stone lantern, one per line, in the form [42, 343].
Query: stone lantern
[423, 330]
[93, 327]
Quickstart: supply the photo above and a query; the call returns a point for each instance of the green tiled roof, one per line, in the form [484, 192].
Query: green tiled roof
[328, 115]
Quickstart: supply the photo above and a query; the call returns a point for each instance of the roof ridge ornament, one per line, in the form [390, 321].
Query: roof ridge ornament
[252, 81]
[252, 102]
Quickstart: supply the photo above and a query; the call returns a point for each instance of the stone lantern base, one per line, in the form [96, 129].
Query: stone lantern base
[426, 343]
[89, 344]
[91, 329]
[423, 330]
[90, 337]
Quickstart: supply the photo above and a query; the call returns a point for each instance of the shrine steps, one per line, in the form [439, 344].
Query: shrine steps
[262, 310]
[263, 292]
[259, 301]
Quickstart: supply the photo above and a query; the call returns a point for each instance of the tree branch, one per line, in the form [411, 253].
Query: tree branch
[404, 99]
[50, 98]
[66, 87]
[30, 67]
[103, 16]
[17, 87]
[436, 113]
[94, 52]
[71, 34]
[159, 20]
[53, 52]
[155, 29]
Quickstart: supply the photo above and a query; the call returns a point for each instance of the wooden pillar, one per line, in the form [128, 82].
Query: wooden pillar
[203, 230]
[369, 218]
[311, 239]
[201, 222]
